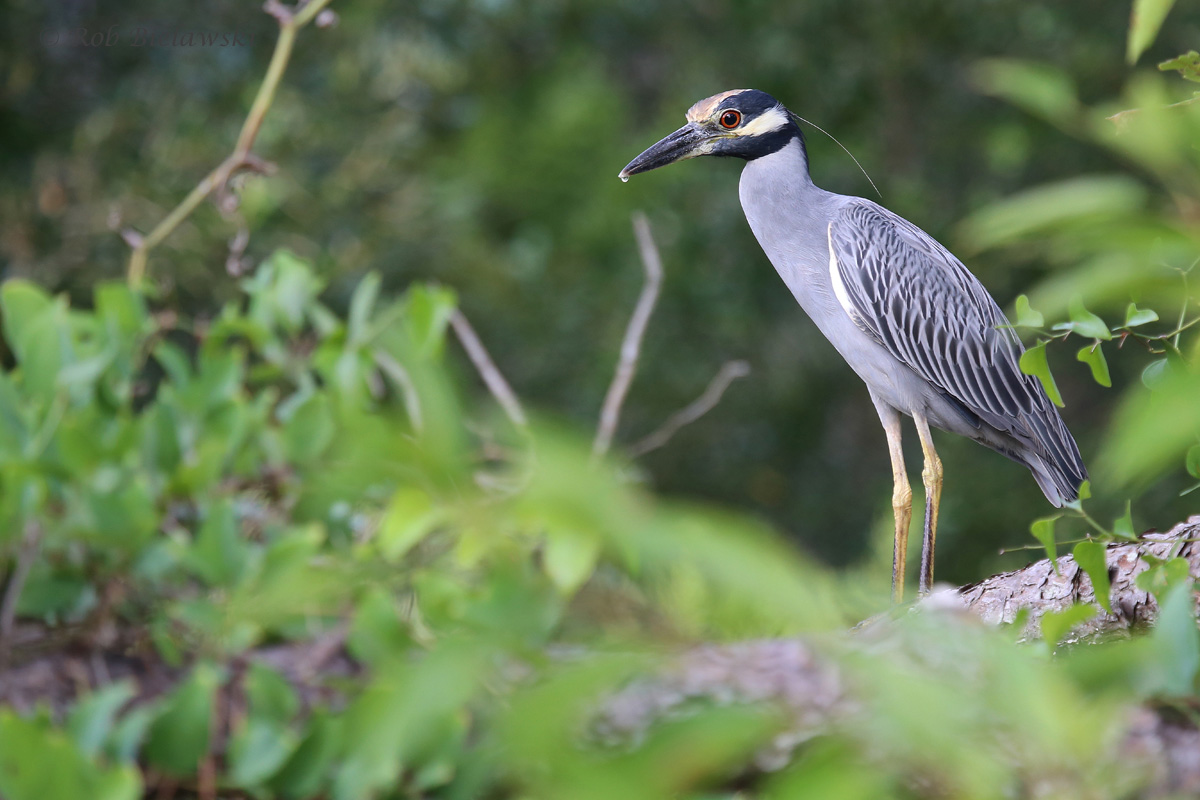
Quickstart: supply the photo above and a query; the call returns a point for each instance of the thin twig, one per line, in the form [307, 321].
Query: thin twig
[487, 369]
[290, 21]
[730, 371]
[631, 346]
[26, 555]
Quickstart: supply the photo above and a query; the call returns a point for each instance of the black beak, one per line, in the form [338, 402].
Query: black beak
[683, 143]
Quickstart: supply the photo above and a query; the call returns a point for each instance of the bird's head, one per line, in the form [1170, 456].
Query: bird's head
[743, 123]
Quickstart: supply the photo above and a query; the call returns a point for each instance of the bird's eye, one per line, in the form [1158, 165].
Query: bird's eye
[731, 119]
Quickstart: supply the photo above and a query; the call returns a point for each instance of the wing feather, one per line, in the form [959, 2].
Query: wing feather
[924, 307]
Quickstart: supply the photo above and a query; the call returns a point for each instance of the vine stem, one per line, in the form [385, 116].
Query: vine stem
[290, 21]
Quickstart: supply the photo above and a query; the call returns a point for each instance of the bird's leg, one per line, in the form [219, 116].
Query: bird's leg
[931, 475]
[901, 498]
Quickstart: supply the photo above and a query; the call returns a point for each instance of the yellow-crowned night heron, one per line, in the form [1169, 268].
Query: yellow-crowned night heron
[908, 317]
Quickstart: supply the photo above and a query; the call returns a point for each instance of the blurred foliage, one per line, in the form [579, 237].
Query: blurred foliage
[1128, 244]
[477, 144]
[220, 470]
[278, 473]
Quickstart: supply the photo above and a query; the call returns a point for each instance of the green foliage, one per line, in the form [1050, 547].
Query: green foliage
[1090, 556]
[1144, 24]
[1056, 625]
[1034, 362]
[37, 761]
[1176, 642]
[234, 489]
[1043, 530]
[1123, 241]
[1187, 65]
[288, 483]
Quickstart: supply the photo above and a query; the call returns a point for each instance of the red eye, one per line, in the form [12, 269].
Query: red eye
[731, 119]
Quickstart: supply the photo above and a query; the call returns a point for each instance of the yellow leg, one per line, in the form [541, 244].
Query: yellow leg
[931, 475]
[901, 500]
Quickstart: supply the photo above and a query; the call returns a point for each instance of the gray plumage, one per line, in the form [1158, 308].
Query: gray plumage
[905, 314]
[928, 311]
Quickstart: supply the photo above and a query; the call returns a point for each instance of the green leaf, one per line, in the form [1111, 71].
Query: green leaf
[308, 428]
[303, 774]
[1123, 525]
[569, 558]
[1057, 624]
[40, 763]
[411, 515]
[1093, 356]
[129, 733]
[362, 302]
[1035, 213]
[1193, 461]
[1027, 317]
[1043, 530]
[1038, 88]
[1161, 576]
[1151, 432]
[1144, 23]
[1154, 373]
[86, 371]
[174, 361]
[428, 313]
[401, 712]
[21, 302]
[1135, 316]
[377, 633]
[46, 341]
[178, 737]
[1090, 555]
[1033, 362]
[283, 291]
[1176, 642]
[1188, 65]
[258, 749]
[269, 694]
[122, 309]
[92, 717]
[1084, 322]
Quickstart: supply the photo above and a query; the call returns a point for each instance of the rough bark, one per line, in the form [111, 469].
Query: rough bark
[1042, 586]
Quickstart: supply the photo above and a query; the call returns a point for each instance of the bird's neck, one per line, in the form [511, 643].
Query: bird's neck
[787, 212]
[789, 138]
[781, 172]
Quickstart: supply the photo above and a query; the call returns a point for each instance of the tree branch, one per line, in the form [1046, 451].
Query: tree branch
[730, 371]
[26, 555]
[635, 332]
[1040, 588]
[487, 369]
[290, 21]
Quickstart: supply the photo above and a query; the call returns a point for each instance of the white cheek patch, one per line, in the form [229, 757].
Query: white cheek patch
[770, 120]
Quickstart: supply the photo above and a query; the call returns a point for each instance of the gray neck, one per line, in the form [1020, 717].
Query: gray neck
[785, 209]
[790, 217]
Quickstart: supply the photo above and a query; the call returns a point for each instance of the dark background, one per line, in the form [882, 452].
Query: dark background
[477, 144]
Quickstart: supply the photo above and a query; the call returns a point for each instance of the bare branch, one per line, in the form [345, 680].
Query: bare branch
[290, 21]
[487, 369]
[26, 555]
[730, 371]
[631, 346]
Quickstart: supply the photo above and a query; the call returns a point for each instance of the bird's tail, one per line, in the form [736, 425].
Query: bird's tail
[1059, 482]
